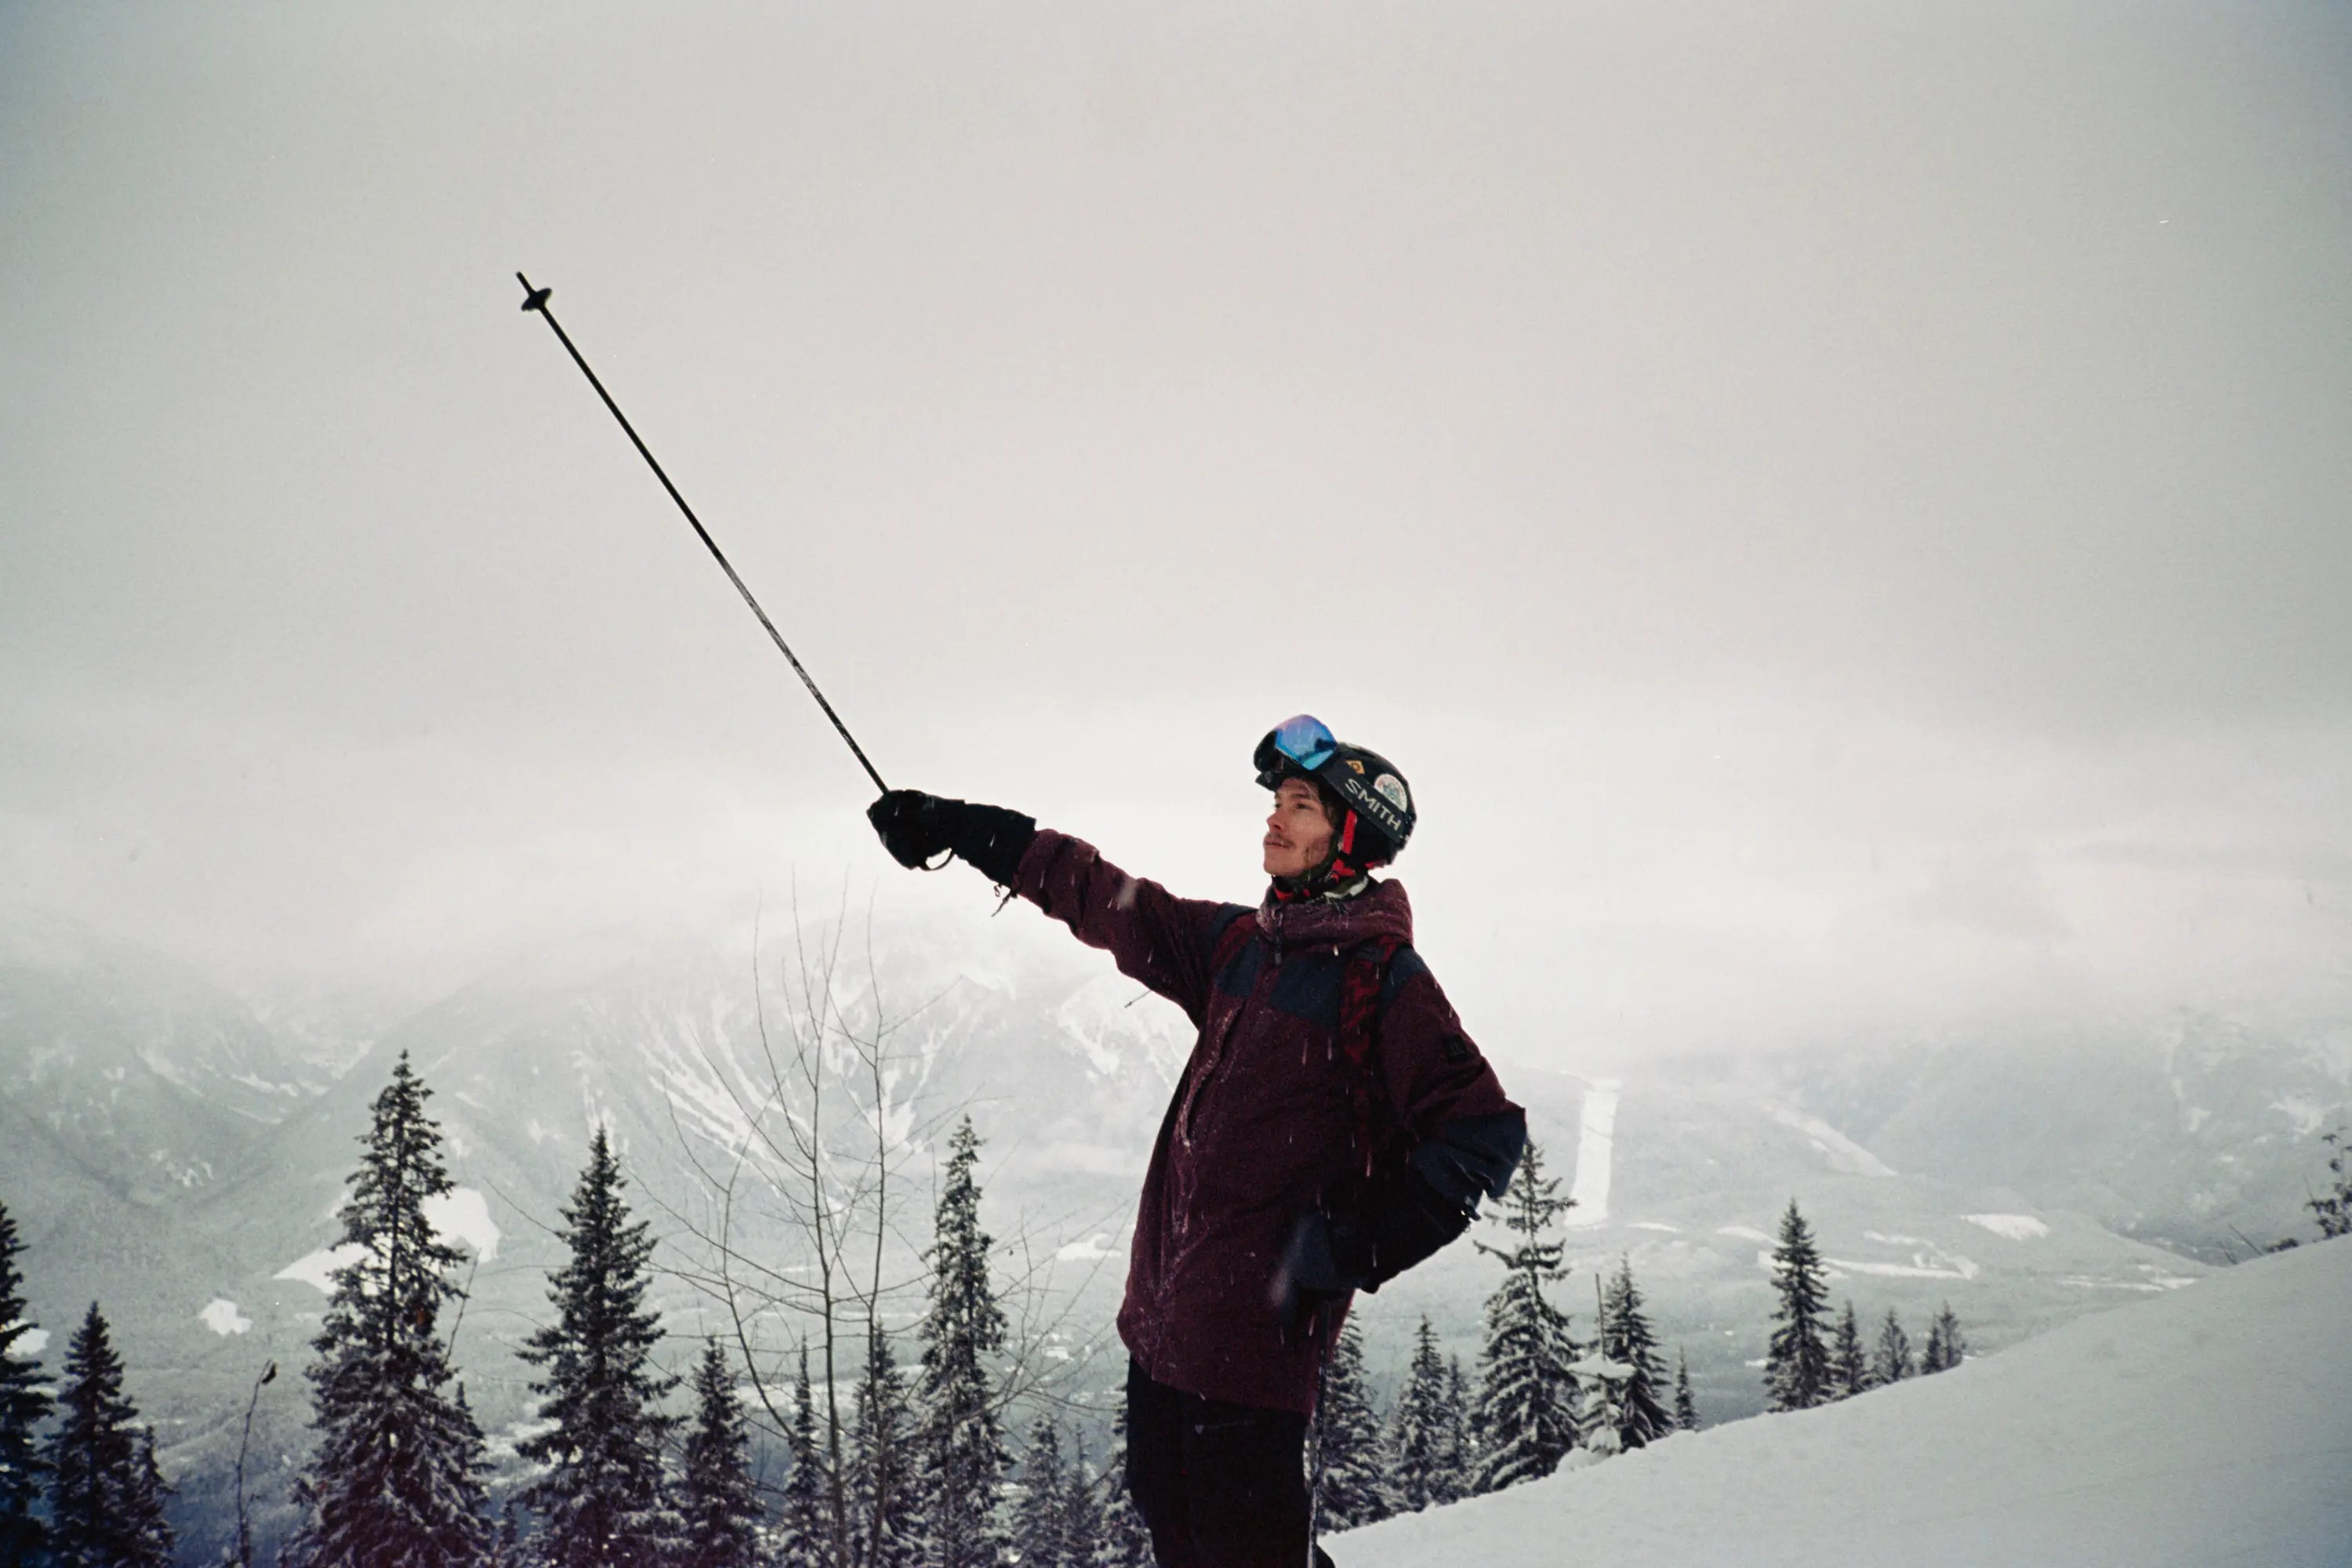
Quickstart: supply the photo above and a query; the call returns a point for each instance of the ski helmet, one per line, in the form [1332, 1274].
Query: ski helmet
[1367, 786]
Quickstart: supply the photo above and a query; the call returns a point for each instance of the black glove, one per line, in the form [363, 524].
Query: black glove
[1407, 1220]
[1409, 1213]
[1413, 1211]
[1329, 1252]
[1329, 1255]
[915, 827]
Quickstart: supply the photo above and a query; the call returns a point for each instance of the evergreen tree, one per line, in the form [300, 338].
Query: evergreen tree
[150, 1533]
[1849, 1358]
[963, 1437]
[717, 1496]
[1041, 1523]
[802, 1532]
[1946, 1348]
[1423, 1429]
[1457, 1471]
[1600, 1402]
[395, 1480]
[603, 1495]
[1625, 1337]
[1797, 1364]
[1352, 1486]
[1527, 1396]
[506, 1548]
[24, 1403]
[1891, 1361]
[1082, 1510]
[2333, 1208]
[106, 1497]
[884, 1495]
[1121, 1541]
[1685, 1407]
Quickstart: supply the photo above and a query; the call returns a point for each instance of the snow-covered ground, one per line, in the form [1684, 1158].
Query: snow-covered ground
[2212, 1425]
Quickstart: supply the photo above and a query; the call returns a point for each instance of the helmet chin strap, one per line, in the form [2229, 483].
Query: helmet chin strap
[1336, 873]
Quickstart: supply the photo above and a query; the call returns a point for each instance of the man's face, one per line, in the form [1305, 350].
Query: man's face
[1297, 832]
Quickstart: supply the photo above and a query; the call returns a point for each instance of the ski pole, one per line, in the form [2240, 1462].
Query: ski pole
[536, 299]
[1315, 1462]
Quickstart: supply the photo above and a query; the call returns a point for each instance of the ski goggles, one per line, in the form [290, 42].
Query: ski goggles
[1304, 740]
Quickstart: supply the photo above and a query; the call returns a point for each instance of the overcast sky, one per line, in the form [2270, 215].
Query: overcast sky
[1840, 510]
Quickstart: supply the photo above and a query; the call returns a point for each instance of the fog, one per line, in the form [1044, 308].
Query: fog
[1840, 511]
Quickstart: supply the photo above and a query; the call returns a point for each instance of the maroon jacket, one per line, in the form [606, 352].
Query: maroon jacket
[1265, 1124]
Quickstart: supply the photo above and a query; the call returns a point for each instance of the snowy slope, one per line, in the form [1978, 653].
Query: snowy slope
[2209, 1426]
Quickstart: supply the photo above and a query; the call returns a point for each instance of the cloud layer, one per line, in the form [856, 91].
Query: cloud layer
[1839, 509]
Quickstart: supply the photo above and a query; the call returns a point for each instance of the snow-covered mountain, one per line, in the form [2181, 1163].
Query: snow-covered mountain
[2026, 1181]
[2192, 1130]
[2207, 1426]
[146, 1077]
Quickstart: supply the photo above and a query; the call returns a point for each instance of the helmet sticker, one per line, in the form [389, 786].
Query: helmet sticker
[1392, 788]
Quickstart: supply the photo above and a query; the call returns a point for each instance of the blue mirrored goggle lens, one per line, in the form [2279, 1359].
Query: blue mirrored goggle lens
[1305, 740]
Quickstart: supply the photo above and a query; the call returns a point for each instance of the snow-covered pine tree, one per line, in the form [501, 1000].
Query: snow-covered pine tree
[886, 1502]
[1351, 1464]
[1849, 1358]
[717, 1498]
[1946, 1347]
[1625, 1336]
[396, 1478]
[1685, 1407]
[1600, 1402]
[1421, 1429]
[1082, 1509]
[24, 1403]
[803, 1528]
[1040, 1520]
[1797, 1363]
[603, 1497]
[1457, 1470]
[1956, 1345]
[1890, 1361]
[1121, 1541]
[2333, 1208]
[963, 1437]
[506, 1548]
[1527, 1398]
[106, 1498]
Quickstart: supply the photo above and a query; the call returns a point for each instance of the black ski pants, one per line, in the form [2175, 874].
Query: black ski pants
[1219, 1485]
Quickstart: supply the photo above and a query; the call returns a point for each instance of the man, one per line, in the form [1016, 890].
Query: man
[1334, 1126]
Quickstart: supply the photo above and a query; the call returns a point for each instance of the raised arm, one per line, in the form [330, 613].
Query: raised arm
[1155, 938]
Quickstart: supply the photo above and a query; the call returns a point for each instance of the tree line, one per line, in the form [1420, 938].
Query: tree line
[921, 1471]
[1540, 1393]
[399, 1476]
[1812, 1360]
